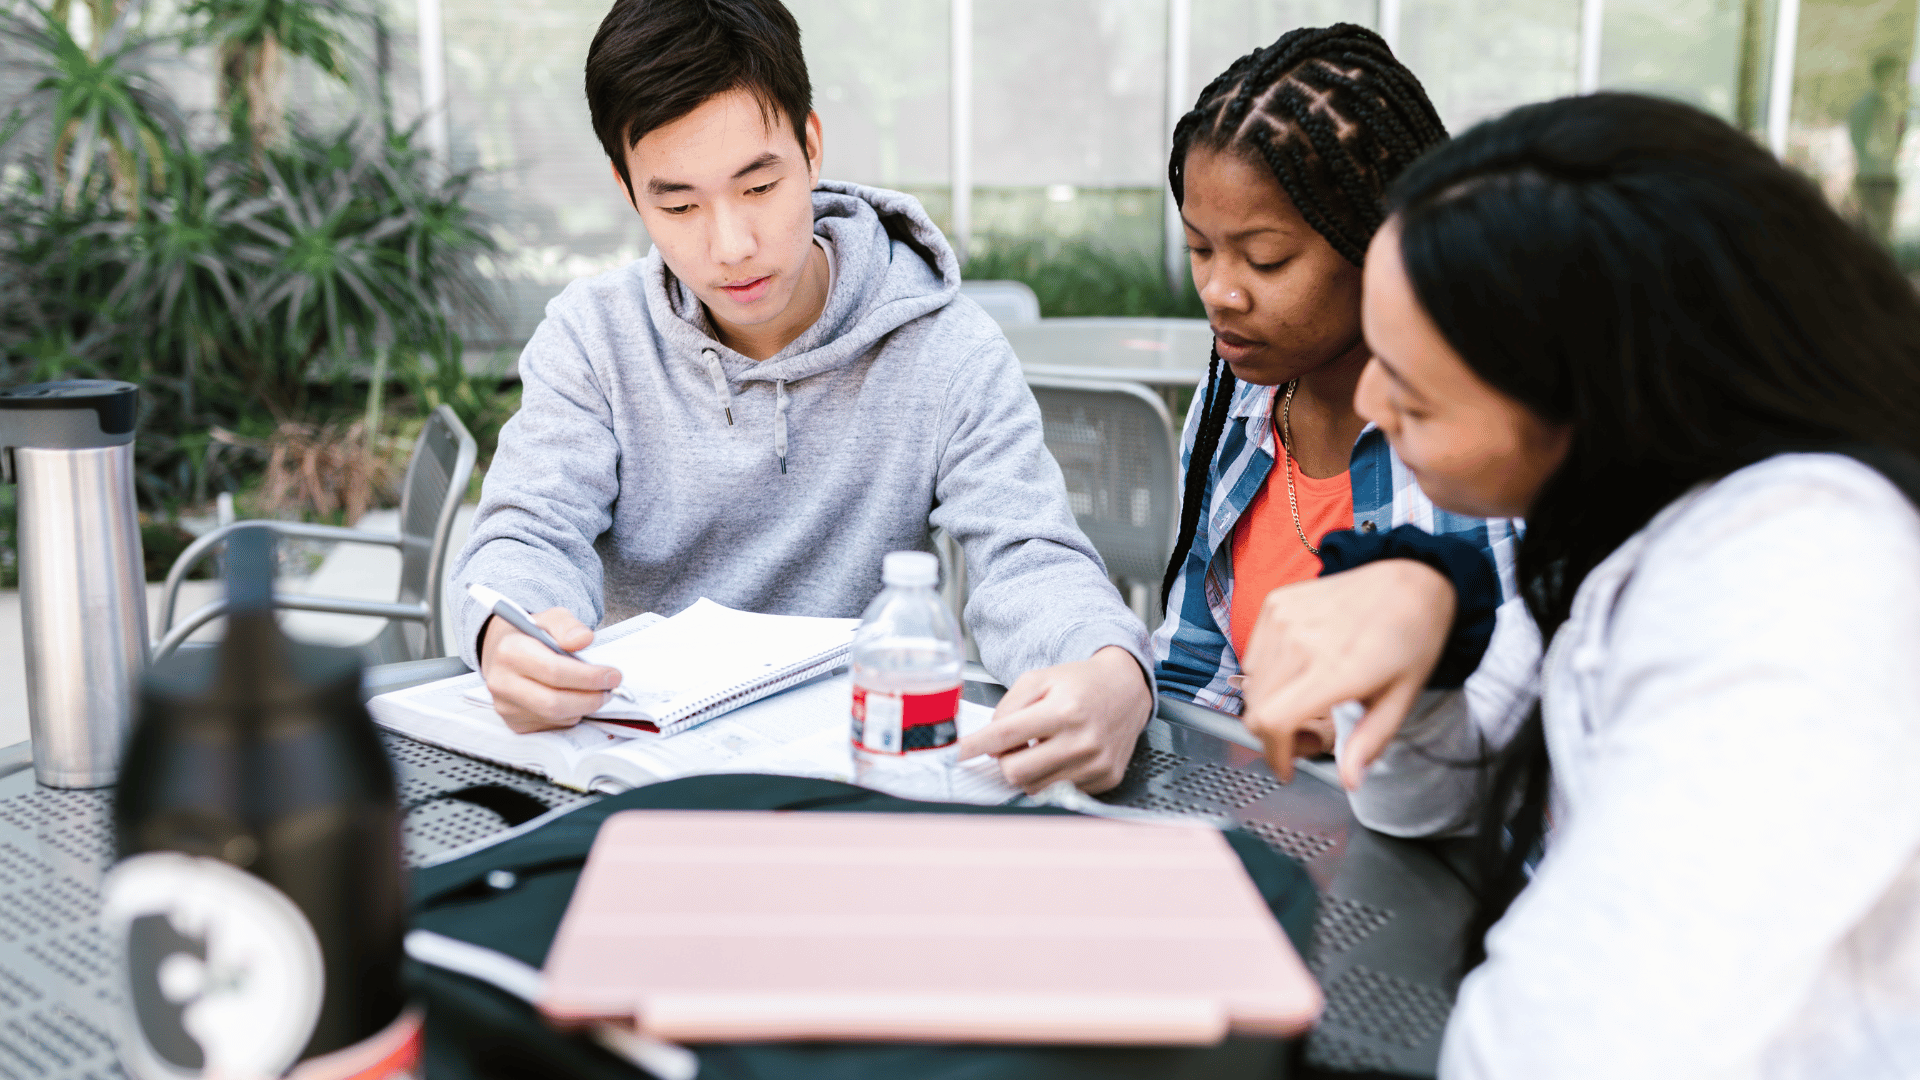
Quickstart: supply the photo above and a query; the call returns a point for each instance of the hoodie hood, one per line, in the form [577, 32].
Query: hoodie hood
[891, 265]
[649, 465]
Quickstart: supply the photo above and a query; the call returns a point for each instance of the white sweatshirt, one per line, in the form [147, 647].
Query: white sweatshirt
[1732, 884]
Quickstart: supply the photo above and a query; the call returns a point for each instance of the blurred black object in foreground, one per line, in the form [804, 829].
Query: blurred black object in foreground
[258, 902]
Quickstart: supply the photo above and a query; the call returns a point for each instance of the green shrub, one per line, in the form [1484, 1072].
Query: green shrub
[162, 542]
[483, 399]
[244, 281]
[1082, 279]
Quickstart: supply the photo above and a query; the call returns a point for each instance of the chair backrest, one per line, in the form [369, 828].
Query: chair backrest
[1006, 301]
[436, 482]
[1115, 444]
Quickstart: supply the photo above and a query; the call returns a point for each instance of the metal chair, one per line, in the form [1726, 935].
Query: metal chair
[1009, 302]
[436, 481]
[1116, 446]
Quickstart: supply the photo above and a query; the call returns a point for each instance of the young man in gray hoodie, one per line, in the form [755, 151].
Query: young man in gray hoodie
[784, 390]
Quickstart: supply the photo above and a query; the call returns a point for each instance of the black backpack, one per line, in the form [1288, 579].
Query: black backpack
[476, 1031]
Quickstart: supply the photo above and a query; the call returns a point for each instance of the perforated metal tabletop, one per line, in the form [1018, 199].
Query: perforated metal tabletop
[1389, 917]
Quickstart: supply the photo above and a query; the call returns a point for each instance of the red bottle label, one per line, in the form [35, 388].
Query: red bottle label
[890, 723]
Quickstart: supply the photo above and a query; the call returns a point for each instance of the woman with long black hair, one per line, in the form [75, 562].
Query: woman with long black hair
[1699, 818]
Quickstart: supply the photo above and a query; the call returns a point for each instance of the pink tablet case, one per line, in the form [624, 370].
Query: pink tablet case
[726, 925]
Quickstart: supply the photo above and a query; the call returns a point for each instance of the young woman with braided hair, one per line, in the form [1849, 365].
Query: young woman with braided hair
[1279, 171]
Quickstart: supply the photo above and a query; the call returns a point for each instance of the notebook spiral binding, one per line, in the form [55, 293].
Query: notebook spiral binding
[785, 678]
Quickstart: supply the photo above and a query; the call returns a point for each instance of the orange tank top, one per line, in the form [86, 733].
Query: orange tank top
[1267, 552]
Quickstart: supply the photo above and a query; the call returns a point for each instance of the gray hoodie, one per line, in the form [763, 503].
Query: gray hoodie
[650, 465]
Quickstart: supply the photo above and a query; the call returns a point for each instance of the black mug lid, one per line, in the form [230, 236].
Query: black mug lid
[33, 415]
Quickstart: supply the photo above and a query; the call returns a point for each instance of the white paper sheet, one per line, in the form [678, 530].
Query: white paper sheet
[445, 714]
[801, 732]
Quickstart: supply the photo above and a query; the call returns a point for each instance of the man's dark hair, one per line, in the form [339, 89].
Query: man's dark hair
[654, 61]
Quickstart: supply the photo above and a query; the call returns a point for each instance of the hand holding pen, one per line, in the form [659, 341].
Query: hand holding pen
[542, 683]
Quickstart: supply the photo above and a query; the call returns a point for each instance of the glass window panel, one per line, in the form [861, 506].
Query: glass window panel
[1479, 58]
[1068, 92]
[880, 79]
[1851, 101]
[1226, 30]
[517, 111]
[1068, 106]
[1708, 53]
[1904, 235]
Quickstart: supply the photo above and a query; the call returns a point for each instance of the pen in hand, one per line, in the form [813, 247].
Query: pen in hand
[517, 617]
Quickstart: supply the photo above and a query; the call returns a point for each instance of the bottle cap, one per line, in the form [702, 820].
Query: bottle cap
[75, 414]
[909, 569]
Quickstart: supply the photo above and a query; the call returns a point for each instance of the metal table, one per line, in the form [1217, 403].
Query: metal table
[1163, 353]
[1388, 928]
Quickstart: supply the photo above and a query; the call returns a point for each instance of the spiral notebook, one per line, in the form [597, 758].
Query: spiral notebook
[707, 660]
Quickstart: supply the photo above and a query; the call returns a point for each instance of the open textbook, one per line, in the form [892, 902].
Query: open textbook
[801, 732]
[707, 660]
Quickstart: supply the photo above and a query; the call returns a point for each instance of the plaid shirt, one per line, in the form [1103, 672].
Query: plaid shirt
[1193, 655]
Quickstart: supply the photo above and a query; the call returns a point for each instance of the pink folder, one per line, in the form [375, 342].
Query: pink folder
[704, 926]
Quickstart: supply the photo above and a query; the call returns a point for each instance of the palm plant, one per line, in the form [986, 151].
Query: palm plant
[479, 397]
[98, 101]
[353, 251]
[231, 280]
[253, 40]
[179, 279]
[320, 243]
[439, 244]
[54, 281]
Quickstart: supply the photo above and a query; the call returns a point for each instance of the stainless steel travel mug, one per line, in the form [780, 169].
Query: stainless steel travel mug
[83, 600]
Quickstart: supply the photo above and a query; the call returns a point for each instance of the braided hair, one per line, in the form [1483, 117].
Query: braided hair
[1335, 117]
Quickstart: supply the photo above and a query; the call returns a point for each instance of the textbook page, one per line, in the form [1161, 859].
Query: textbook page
[800, 732]
[445, 714]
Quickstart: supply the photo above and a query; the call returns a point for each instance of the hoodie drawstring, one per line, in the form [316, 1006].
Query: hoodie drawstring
[780, 423]
[724, 394]
[720, 388]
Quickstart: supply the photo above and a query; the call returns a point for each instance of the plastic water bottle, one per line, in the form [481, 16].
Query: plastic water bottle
[906, 683]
